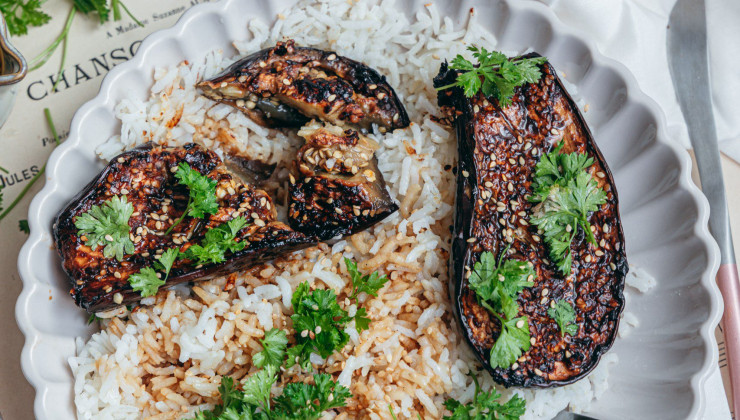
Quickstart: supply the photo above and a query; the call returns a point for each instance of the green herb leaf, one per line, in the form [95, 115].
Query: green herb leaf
[495, 75]
[497, 286]
[273, 349]
[167, 259]
[93, 6]
[369, 284]
[23, 226]
[566, 194]
[301, 401]
[511, 342]
[257, 387]
[486, 405]
[20, 15]
[92, 318]
[146, 282]
[107, 226]
[202, 191]
[217, 242]
[319, 324]
[565, 315]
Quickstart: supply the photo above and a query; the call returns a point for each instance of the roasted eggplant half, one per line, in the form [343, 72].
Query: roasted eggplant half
[499, 150]
[286, 86]
[336, 187]
[144, 178]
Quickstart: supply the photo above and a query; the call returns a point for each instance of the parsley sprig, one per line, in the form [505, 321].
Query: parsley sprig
[146, 281]
[22, 14]
[298, 401]
[369, 283]
[486, 405]
[496, 75]
[497, 286]
[565, 315]
[202, 193]
[273, 348]
[107, 225]
[567, 193]
[217, 242]
[319, 324]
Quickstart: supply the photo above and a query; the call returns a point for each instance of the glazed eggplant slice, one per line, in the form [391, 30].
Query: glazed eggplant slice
[336, 187]
[498, 152]
[286, 86]
[145, 176]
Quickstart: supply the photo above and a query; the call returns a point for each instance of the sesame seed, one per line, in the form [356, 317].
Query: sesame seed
[158, 225]
[465, 173]
[338, 210]
[527, 146]
[521, 160]
[532, 341]
[602, 243]
[262, 64]
[599, 253]
[259, 222]
[373, 86]
[512, 161]
[545, 291]
[476, 108]
[612, 266]
[304, 333]
[121, 160]
[520, 323]
[116, 274]
[510, 187]
[381, 95]
[242, 79]
[488, 184]
[568, 354]
[118, 298]
[240, 103]
[605, 228]
[568, 228]
[286, 82]
[251, 104]
[600, 174]
[331, 97]
[555, 131]
[552, 303]
[502, 221]
[538, 372]
[515, 366]
[588, 258]
[544, 300]
[318, 329]
[471, 240]
[332, 57]
[108, 238]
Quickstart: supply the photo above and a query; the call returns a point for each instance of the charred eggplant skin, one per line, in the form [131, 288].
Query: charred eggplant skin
[145, 175]
[307, 83]
[498, 151]
[343, 200]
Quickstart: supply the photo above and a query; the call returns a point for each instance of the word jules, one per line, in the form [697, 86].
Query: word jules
[81, 72]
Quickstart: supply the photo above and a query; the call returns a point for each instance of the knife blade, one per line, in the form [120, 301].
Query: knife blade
[689, 67]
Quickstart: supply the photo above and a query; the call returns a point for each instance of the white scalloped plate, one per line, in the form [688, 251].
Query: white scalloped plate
[663, 363]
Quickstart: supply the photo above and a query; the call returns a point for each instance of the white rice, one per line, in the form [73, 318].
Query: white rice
[166, 360]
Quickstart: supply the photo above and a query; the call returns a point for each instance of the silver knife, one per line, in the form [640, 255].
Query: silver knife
[688, 62]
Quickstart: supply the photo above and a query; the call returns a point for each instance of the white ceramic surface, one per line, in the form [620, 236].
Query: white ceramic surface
[663, 363]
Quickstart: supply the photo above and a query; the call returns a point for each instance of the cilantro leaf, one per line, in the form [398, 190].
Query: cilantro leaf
[511, 342]
[319, 324]
[107, 225]
[273, 349]
[202, 193]
[257, 387]
[565, 315]
[495, 75]
[497, 286]
[93, 6]
[301, 401]
[566, 193]
[486, 405]
[217, 242]
[20, 15]
[167, 259]
[369, 284]
[23, 226]
[232, 405]
[146, 282]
